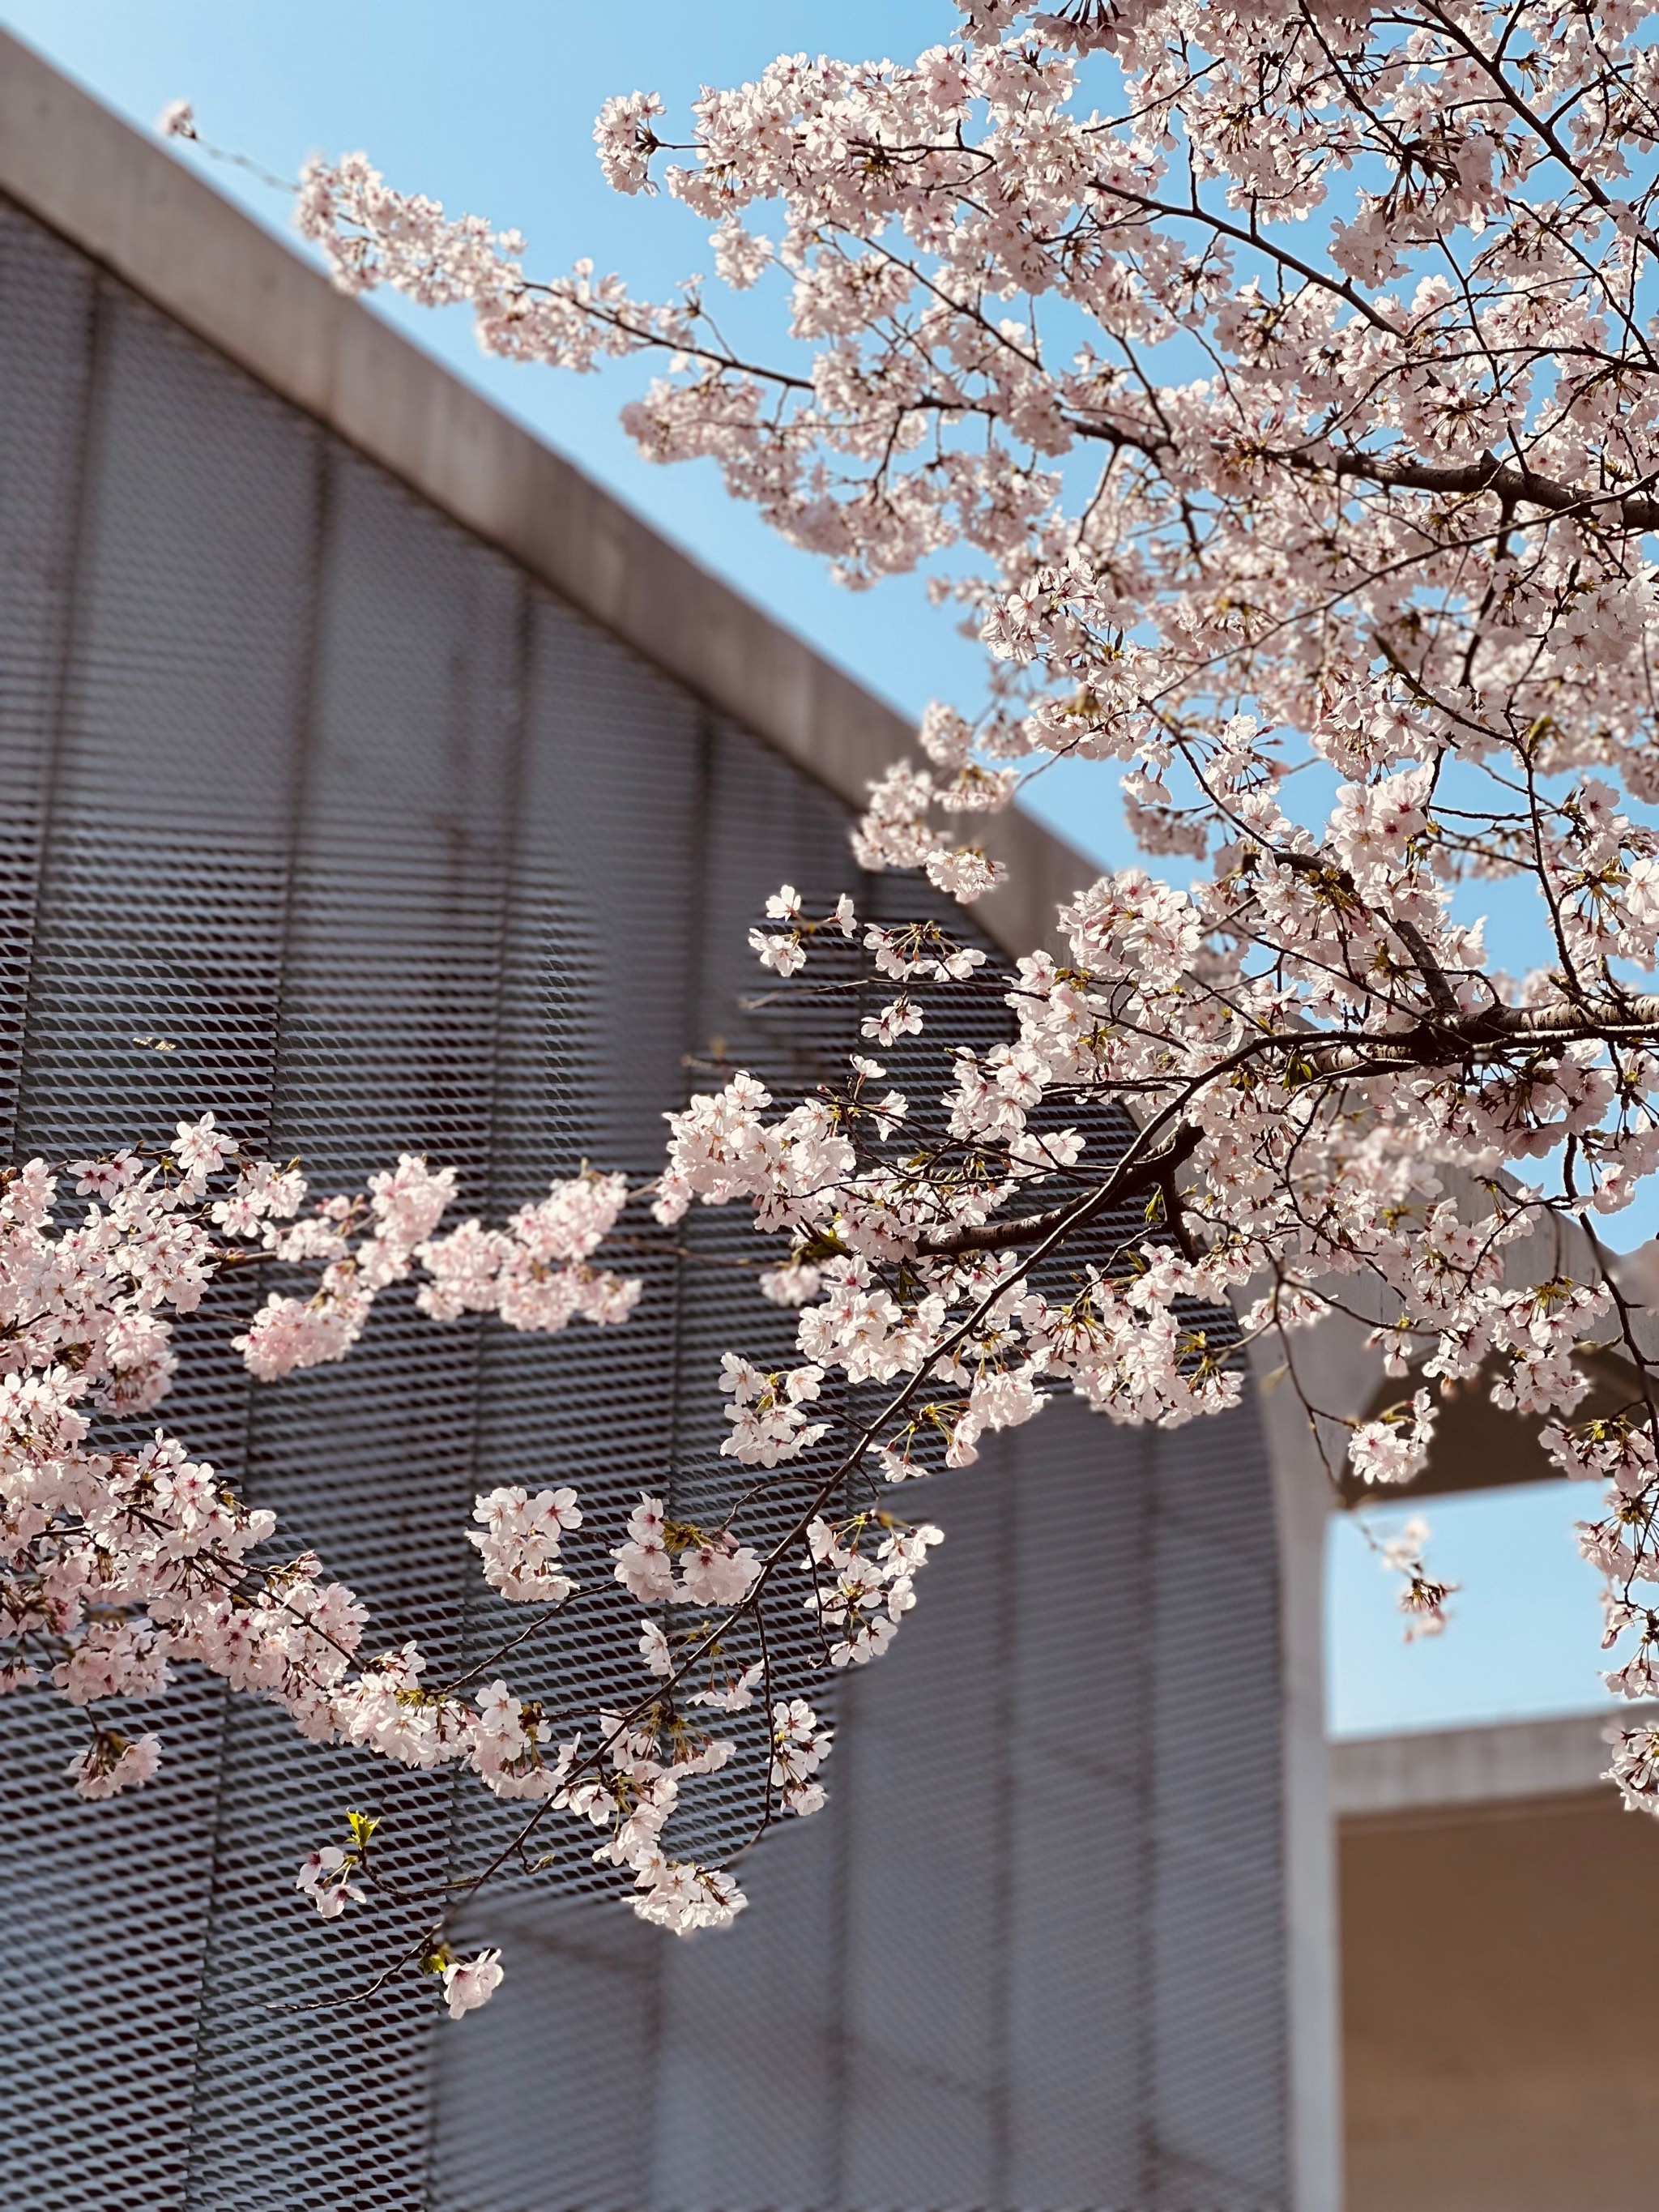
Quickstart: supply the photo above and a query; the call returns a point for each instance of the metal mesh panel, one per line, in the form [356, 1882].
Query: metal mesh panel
[387, 1041]
[313, 790]
[45, 355]
[157, 901]
[1028, 1956]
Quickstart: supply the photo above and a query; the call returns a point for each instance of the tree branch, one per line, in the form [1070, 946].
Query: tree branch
[1513, 484]
[1153, 1173]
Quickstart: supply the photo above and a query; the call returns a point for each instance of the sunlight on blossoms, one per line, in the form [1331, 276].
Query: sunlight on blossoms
[1273, 397]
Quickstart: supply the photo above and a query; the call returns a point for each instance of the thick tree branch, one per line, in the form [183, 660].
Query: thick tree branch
[1516, 485]
[1156, 1172]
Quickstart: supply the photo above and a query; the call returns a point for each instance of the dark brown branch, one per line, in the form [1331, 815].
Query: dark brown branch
[1452, 1038]
[1434, 975]
[1450, 1041]
[1154, 1173]
[1515, 484]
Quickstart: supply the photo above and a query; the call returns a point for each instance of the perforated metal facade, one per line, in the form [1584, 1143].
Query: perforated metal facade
[330, 797]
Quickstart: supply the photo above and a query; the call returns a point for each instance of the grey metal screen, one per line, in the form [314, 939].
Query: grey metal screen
[325, 794]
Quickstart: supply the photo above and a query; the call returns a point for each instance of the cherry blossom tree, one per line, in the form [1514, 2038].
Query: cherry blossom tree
[1274, 391]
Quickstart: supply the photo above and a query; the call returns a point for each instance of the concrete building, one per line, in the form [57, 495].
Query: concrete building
[1499, 1949]
[339, 718]
[336, 715]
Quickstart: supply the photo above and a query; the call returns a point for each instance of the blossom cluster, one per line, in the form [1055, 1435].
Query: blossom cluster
[859, 1597]
[118, 1562]
[118, 1565]
[1282, 384]
[123, 1565]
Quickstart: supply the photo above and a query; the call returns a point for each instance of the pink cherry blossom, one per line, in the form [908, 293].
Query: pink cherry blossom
[469, 1983]
[1271, 395]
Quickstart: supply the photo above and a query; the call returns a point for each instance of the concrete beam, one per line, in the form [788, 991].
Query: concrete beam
[1502, 1763]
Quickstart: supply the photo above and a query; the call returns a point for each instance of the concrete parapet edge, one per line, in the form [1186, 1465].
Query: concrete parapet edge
[1502, 1762]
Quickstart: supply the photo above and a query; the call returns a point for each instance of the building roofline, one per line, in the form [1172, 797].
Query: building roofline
[1502, 1762]
[121, 197]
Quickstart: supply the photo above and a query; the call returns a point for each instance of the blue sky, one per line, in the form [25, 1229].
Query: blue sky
[489, 108]
[1525, 1628]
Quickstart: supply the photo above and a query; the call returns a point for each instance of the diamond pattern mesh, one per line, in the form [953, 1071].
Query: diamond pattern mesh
[1028, 1956]
[312, 806]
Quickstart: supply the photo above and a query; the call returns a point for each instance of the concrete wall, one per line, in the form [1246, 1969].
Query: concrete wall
[1500, 1949]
